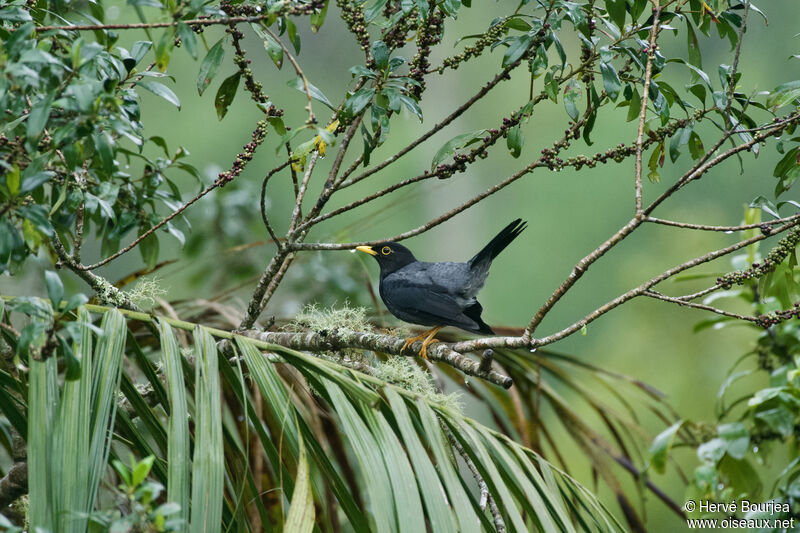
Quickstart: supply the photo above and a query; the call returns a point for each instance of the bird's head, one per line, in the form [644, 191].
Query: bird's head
[390, 256]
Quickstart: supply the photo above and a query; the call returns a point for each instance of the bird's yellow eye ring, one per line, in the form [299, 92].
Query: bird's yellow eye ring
[386, 250]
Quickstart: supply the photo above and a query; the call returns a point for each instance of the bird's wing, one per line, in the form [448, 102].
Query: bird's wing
[460, 280]
[425, 295]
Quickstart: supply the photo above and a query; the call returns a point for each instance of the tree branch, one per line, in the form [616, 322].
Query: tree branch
[335, 339]
[648, 74]
[287, 10]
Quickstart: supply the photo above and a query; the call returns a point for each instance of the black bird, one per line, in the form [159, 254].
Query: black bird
[437, 294]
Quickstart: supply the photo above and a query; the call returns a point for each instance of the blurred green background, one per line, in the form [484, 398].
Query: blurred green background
[569, 213]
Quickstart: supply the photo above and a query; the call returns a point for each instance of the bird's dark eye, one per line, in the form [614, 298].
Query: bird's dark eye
[386, 250]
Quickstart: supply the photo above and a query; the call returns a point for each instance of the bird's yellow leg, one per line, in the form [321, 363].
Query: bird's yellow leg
[411, 340]
[428, 341]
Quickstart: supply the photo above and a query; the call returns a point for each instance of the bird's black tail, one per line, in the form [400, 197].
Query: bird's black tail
[499, 243]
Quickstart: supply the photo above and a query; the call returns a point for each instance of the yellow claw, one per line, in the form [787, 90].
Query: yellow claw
[429, 339]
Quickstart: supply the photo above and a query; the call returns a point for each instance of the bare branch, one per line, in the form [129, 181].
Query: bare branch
[298, 70]
[726, 229]
[486, 495]
[600, 311]
[648, 74]
[288, 10]
[680, 301]
[264, 200]
[735, 66]
[105, 291]
[297, 213]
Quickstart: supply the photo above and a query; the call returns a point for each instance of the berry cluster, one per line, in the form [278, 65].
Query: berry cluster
[353, 16]
[429, 33]
[16, 149]
[491, 36]
[617, 154]
[774, 258]
[253, 87]
[248, 150]
[395, 35]
[776, 317]
[587, 58]
[460, 161]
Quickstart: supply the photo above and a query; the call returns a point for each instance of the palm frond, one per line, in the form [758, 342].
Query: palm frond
[388, 459]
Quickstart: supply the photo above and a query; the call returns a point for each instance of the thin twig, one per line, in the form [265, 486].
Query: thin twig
[600, 311]
[648, 74]
[431, 132]
[699, 294]
[725, 229]
[150, 231]
[449, 214]
[707, 162]
[146, 25]
[297, 213]
[298, 70]
[658, 296]
[735, 66]
[264, 217]
[106, 292]
[254, 307]
[486, 495]
[295, 181]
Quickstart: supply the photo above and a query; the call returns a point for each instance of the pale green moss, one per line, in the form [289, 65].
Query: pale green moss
[145, 292]
[344, 318]
[404, 373]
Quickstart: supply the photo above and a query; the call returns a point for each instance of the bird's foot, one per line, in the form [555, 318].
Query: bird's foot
[424, 350]
[428, 337]
[411, 340]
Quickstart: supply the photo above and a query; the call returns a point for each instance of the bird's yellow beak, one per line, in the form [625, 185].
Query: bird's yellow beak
[366, 250]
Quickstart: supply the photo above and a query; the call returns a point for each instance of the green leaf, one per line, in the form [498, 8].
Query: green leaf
[33, 181]
[380, 52]
[209, 66]
[273, 47]
[316, 94]
[779, 419]
[301, 509]
[37, 215]
[736, 437]
[161, 90]
[659, 450]
[411, 105]
[226, 93]
[514, 141]
[695, 58]
[149, 249]
[15, 14]
[439, 511]
[611, 81]
[55, 289]
[102, 144]
[318, 18]
[656, 161]
[634, 106]
[516, 23]
[516, 48]
[208, 465]
[39, 115]
[616, 10]
[356, 102]
[457, 142]
[140, 470]
[572, 93]
[187, 38]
